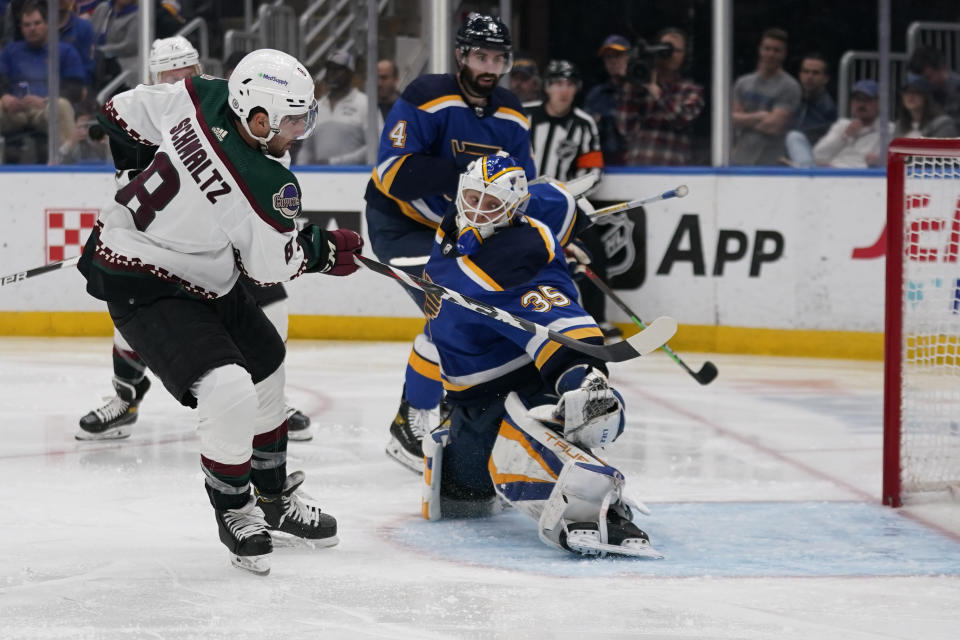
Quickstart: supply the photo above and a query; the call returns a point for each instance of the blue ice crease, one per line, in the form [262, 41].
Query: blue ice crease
[728, 539]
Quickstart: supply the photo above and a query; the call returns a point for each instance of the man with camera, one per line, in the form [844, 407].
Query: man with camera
[657, 106]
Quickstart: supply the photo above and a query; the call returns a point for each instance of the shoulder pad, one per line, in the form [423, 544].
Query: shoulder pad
[429, 87]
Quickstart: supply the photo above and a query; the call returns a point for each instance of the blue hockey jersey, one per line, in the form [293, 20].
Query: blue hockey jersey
[429, 137]
[520, 269]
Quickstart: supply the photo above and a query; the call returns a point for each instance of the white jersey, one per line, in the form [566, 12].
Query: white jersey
[207, 207]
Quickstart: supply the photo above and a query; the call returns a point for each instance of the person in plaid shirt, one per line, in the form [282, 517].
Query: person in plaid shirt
[656, 116]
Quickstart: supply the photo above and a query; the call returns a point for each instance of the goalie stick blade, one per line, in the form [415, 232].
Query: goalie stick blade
[707, 373]
[646, 341]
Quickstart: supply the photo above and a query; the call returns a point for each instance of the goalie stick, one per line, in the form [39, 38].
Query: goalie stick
[707, 372]
[650, 339]
[36, 271]
[679, 192]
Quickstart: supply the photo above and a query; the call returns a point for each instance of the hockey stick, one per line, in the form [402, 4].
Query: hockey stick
[707, 372]
[652, 338]
[36, 271]
[678, 192]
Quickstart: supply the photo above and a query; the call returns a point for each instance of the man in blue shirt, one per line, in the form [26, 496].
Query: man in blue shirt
[23, 78]
[78, 33]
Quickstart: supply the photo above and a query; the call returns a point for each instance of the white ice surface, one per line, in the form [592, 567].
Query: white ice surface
[764, 488]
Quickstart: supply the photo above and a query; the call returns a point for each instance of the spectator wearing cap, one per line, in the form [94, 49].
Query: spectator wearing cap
[930, 63]
[602, 99]
[763, 103]
[341, 133]
[816, 113]
[921, 116]
[656, 114]
[525, 79]
[854, 142]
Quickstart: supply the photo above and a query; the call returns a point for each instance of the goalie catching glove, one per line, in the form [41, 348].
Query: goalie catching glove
[590, 411]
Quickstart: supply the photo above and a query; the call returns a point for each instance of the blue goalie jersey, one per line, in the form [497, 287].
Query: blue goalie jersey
[429, 137]
[520, 269]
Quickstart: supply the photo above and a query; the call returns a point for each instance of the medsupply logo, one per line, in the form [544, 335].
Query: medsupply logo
[267, 76]
[287, 200]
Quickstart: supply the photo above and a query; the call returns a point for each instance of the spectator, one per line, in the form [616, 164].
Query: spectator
[525, 80]
[88, 144]
[341, 136]
[921, 116]
[77, 32]
[601, 101]
[23, 80]
[168, 19]
[116, 31]
[387, 93]
[930, 64]
[763, 102]
[817, 111]
[853, 142]
[656, 116]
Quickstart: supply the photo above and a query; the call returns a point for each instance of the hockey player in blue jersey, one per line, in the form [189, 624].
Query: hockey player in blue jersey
[439, 124]
[526, 411]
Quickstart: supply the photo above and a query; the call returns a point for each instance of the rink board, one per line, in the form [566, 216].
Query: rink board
[710, 539]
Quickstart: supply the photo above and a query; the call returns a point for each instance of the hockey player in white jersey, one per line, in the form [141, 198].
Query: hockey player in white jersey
[166, 257]
[171, 60]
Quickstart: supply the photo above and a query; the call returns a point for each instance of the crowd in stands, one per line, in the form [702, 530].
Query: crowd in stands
[646, 108]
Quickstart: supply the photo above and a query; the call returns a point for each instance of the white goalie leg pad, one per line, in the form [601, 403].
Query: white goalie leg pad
[271, 406]
[278, 313]
[424, 348]
[226, 399]
[557, 483]
[433, 444]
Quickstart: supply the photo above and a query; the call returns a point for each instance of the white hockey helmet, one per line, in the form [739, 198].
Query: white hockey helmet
[275, 82]
[168, 54]
[491, 191]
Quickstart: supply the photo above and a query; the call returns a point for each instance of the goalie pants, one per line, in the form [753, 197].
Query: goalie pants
[394, 236]
[225, 356]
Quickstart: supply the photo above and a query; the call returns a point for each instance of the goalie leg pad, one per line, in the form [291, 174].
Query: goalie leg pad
[576, 498]
[433, 444]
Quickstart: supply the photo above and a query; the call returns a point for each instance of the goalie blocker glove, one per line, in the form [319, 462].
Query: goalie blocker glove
[591, 411]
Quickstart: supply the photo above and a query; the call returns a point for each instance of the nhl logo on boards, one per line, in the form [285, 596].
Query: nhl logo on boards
[66, 232]
[287, 200]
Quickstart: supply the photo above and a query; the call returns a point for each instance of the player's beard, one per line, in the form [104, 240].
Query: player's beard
[472, 87]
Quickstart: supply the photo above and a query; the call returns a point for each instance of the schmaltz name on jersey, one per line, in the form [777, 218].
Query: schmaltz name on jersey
[187, 144]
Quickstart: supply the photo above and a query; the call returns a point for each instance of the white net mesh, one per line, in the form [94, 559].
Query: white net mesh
[930, 390]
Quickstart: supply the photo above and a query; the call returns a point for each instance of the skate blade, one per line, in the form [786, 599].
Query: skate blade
[114, 433]
[396, 451]
[301, 435]
[588, 544]
[259, 565]
[283, 540]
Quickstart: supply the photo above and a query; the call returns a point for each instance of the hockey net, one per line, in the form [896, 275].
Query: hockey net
[922, 337]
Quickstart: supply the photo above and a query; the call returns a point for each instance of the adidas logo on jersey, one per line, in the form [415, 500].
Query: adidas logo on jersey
[220, 133]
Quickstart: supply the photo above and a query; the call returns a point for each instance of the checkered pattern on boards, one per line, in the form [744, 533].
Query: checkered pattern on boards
[67, 231]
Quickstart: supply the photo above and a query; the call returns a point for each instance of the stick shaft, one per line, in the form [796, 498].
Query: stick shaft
[36, 271]
[633, 204]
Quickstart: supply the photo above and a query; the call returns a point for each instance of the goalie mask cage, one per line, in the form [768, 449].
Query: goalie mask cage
[921, 442]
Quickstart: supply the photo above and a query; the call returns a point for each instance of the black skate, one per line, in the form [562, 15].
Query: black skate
[114, 419]
[244, 531]
[620, 537]
[298, 425]
[293, 512]
[406, 435]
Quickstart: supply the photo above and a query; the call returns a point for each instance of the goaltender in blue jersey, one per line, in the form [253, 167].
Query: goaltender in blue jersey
[526, 411]
[433, 131]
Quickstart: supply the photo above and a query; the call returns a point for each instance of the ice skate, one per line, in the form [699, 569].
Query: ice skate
[244, 531]
[113, 420]
[620, 536]
[406, 435]
[293, 512]
[298, 425]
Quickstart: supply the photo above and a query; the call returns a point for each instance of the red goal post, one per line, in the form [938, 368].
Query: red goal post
[921, 442]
